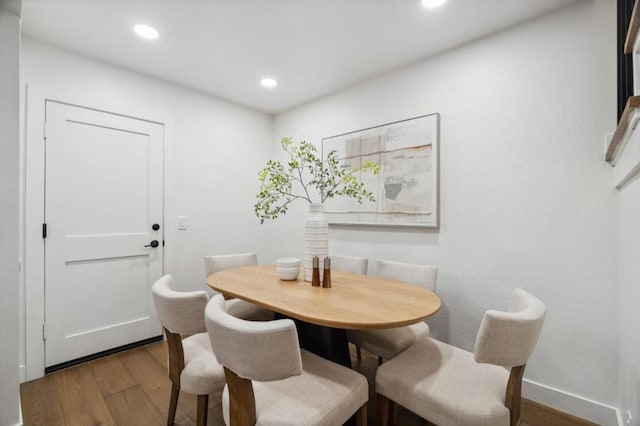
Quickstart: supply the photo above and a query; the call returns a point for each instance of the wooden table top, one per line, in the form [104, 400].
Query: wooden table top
[353, 301]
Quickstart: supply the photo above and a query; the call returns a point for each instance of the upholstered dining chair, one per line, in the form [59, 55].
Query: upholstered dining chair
[237, 307]
[353, 264]
[271, 381]
[193, 367]
[387, 343]
[450, 386]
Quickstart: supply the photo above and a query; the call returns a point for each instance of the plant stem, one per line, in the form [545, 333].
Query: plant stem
[302, 184]
[293, 197]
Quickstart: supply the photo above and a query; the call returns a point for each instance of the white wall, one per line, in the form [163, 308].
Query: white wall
[629, 251]
[630, 300]
[526, 199]
[219, 147]
[9, 212]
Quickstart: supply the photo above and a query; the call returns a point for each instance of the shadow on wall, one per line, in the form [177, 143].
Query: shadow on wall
[439, 323]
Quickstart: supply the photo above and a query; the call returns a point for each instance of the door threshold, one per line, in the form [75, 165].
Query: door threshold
[108, 352]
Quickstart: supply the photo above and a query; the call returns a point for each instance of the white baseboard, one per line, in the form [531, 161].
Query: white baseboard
[20, 422]
[585, 408]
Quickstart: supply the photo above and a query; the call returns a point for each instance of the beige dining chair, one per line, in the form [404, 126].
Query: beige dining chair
[353, 264]
[238, 307]
[193, 367]
[271, 381]
[450, 386]
[387, 343]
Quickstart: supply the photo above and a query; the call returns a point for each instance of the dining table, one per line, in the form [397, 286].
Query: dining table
[322, 315]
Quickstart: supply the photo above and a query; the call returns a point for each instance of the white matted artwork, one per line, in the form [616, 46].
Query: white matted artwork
[406, 189]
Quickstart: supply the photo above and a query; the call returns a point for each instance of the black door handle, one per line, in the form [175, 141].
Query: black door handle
[153, 244]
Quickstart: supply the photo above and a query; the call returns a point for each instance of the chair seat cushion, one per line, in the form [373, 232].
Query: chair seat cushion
[388, 342]
[202, 374]
[324, 394]
[445, 385]
[248, 311]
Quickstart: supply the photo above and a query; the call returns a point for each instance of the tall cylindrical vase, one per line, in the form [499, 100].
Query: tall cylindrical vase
[316, 239]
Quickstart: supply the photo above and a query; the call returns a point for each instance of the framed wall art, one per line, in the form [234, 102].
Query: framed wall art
[406, 189]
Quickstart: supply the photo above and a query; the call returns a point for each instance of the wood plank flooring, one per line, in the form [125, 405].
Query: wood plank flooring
[132, 388]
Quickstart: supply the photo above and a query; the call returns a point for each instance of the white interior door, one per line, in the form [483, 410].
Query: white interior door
[104, 186]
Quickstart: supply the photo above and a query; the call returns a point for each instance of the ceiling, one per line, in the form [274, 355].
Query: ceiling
[312, 47]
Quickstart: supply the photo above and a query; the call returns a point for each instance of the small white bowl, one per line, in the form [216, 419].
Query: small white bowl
[288, 262]
[288, 273]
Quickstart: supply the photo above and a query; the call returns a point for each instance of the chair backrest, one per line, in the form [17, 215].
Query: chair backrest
[509, 338]
[423, 275]
[180, 312]
[254, 350]
[353, 264]
[214, 264]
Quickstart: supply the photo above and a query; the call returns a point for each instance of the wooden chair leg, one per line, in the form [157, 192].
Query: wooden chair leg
[513, 399]
[242, 402]
[383, 409]
[203, 406]
[362, 415]
[173, 404]
[393, 410]
[358, 353]
[176, 365]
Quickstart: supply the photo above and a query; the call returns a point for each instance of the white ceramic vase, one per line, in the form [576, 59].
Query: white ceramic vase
[316, 239]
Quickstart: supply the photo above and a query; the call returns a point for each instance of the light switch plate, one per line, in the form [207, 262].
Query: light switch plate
[182, 223]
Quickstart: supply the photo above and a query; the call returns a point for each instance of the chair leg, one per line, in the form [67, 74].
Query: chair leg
[173, 404]
[358, 353]
[362, 415]
[513, 399]
[203, 406]
[393, 411]
[383, 409]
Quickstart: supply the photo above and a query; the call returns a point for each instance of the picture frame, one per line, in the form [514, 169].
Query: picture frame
[406, 189]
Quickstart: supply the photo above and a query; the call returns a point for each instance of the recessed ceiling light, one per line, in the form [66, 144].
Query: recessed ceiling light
[145, 31]
[429, 4]
[268, 82]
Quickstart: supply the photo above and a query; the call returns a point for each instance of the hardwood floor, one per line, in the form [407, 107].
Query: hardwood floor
[132, 388]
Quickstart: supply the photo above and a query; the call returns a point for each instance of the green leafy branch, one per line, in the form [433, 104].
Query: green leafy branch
[305, 172]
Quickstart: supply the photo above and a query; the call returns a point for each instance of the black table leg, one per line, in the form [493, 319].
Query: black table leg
[329, 343]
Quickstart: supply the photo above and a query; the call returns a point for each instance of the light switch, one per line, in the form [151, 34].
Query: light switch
[182, 223]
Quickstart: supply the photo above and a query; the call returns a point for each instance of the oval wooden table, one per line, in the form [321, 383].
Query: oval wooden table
[323, 314]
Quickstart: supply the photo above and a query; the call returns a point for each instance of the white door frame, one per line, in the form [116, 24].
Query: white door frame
[34, 179]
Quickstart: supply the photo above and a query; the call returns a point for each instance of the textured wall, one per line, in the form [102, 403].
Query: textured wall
[526, 199]
[629, 250]
[218, 148]
[9, 209]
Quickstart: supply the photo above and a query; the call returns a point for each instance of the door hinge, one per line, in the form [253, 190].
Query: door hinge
[44, 230]
[44, 331]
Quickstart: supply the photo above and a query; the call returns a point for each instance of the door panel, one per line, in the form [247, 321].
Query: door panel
[128, 275]
[106, 176]
[103, 194]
